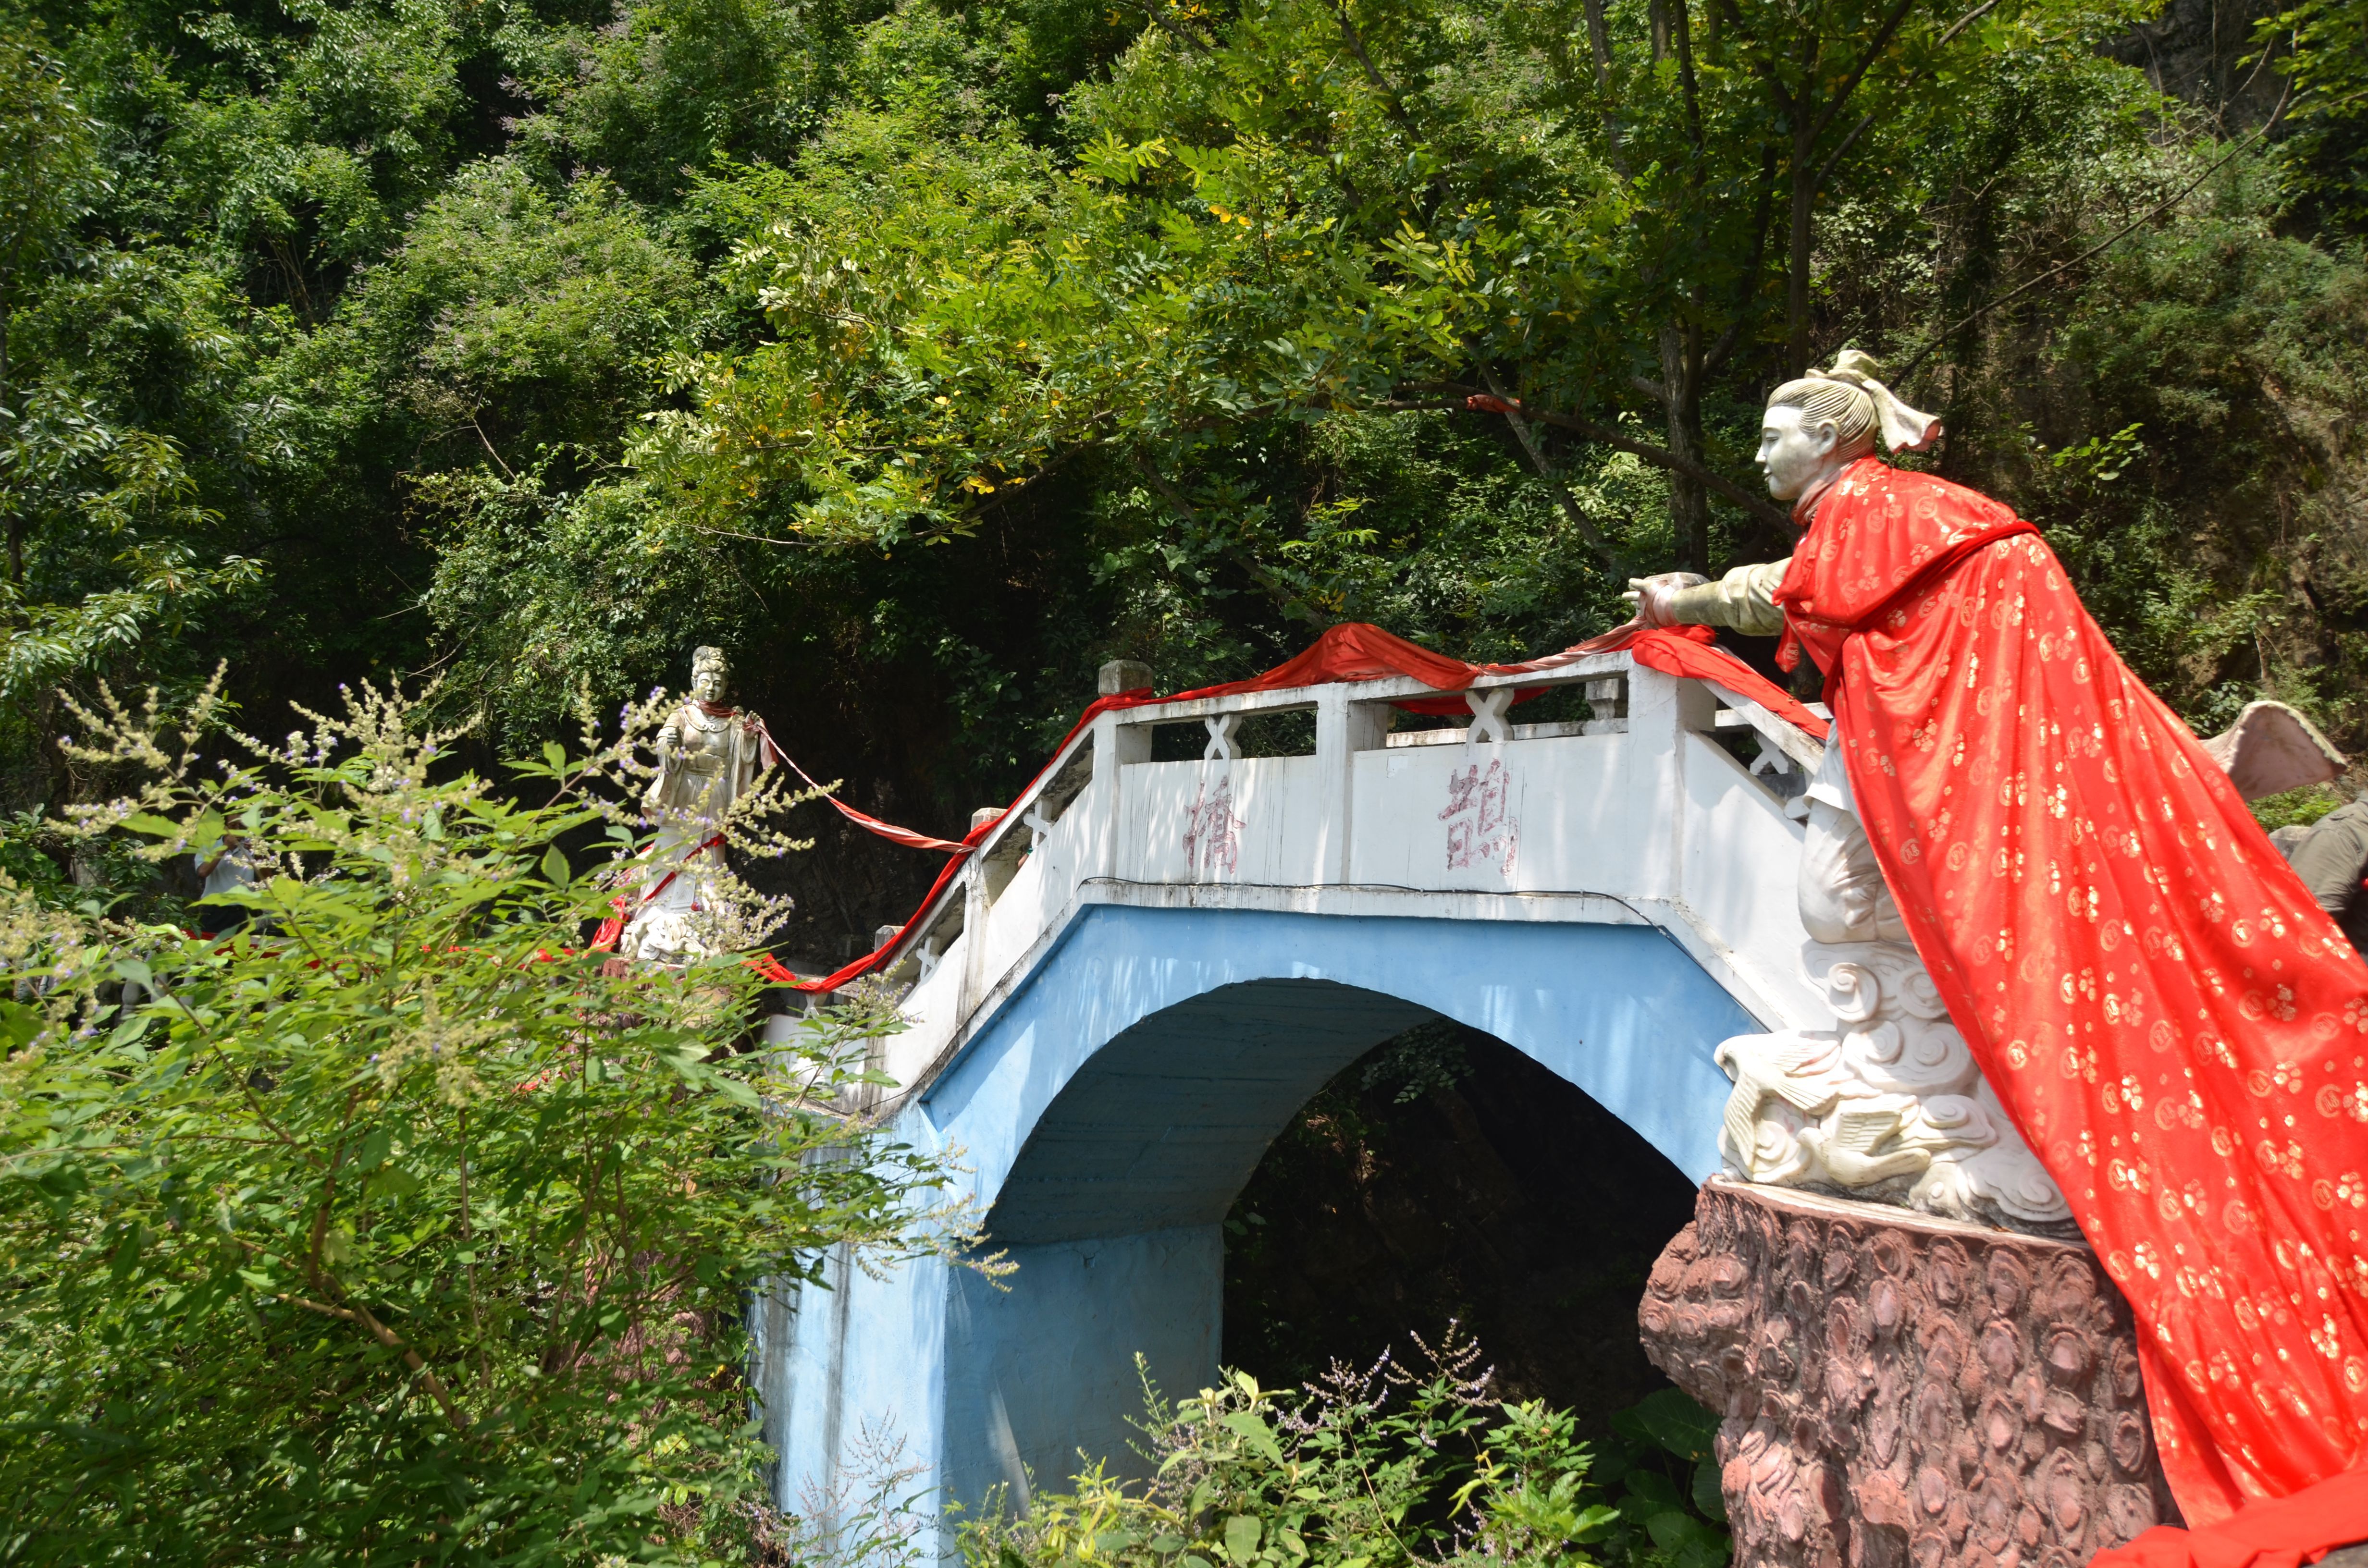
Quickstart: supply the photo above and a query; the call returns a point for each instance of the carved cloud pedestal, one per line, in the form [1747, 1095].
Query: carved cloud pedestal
[1899, 1390]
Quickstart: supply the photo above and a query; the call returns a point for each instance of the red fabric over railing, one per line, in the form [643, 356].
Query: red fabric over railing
[1689, 652]
[1100, 706]
[1359, 652]
[1353, 651]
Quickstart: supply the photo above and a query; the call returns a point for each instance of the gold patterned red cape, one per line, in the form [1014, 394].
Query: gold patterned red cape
[2179, 1030]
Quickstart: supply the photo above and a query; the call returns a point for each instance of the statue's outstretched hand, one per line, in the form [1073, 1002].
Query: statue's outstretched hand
[1652, 595]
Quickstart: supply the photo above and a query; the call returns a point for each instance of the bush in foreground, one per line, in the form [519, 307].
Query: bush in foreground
[388, 1228]
[1382, 1469]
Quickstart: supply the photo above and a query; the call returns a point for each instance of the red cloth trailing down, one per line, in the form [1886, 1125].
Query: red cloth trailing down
[838, 978]
[833, 981]
[772, 968]
[2177, 1029]
[605, 938]
[1360, 651]
[887, 830]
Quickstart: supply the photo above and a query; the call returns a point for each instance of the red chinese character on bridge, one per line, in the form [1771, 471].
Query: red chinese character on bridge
[1213, 834]
[1480, 825]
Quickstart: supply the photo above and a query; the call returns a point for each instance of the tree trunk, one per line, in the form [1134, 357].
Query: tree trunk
[16, 521]
[1681, 356]
[1796, 259]
[1802, 114]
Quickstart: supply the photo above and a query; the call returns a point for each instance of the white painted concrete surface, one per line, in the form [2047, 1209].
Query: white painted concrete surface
[1645, 819]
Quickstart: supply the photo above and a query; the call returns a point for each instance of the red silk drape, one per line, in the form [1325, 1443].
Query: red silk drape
[970, 840]
[2179, 1032]
[1357, 652]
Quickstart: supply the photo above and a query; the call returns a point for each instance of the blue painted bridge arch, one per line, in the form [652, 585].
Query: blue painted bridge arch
[1107, 1114]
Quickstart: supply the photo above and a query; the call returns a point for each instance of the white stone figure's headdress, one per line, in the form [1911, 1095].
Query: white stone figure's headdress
[1860, 406]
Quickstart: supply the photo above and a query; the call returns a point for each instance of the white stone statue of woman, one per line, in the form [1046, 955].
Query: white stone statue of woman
[710, 754]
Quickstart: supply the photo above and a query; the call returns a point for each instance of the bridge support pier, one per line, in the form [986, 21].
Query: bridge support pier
[940, 1384]
[1043, 1382]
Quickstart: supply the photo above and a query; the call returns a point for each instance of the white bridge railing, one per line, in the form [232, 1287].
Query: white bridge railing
[1639, 815]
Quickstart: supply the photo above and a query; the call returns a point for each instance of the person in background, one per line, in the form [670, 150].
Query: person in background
[229, 868]
[2331, 858]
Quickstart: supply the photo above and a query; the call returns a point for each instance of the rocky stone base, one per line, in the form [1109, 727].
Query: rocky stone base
[1899, 1390]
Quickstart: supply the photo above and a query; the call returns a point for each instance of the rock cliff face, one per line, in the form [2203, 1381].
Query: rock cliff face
[1903, 1391]
[2205, 51]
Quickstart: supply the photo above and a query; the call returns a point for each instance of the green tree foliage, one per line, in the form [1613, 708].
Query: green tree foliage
[1286, 231]
[390, 1226]
[2327, 63]
[1312, 212]
[107, 543]
[929, 354]
[46, 149]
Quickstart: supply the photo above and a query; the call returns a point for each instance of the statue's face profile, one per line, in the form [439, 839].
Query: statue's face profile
[1792, 455]
[707, 680]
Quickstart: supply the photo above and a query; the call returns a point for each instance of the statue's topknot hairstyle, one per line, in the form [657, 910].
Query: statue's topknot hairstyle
[1861, 408]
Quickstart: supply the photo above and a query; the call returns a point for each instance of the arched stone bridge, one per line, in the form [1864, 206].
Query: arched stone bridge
[1149, 966]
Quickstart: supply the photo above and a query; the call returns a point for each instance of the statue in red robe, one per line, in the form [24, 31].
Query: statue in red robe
[2179, 1031]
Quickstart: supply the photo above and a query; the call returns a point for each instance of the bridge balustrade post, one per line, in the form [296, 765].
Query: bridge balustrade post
[1343, 729]
[1661, 709]
[1115, 744]
[977, 899]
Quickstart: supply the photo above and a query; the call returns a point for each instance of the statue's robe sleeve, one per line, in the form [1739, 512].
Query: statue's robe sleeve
[745, 763]
[2177, 1029]
[1743, 600]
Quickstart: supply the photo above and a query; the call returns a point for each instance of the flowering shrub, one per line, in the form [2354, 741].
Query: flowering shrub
[389, 1227]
